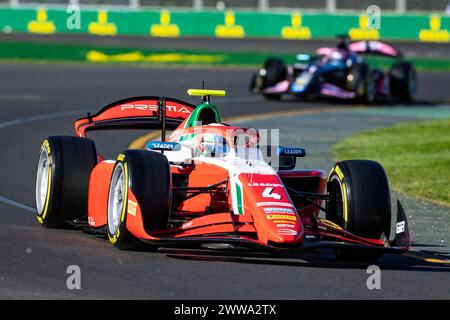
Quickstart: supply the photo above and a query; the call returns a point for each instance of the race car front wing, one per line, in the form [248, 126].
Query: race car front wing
[327, 235]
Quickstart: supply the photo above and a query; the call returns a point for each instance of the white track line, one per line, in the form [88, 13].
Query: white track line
[17, 204]
[47, 116]
[40, 117]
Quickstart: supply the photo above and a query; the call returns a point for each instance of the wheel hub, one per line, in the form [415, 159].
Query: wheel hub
[42, 181]
[116, 199]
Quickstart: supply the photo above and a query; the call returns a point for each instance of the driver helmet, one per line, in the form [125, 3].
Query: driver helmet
[213, 145]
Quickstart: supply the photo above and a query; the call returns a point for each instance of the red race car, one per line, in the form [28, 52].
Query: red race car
[211, 183]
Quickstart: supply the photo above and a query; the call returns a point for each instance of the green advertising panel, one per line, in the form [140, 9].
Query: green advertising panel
[227, 24]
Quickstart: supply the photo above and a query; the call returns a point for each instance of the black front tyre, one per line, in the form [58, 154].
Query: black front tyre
[62, 180]
[361, 80]
[147, 175]
[253, 85]
[361, 204]
[275, 72]
[403, 81]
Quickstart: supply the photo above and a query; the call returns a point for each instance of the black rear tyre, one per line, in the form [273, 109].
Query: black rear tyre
[403, 81]
[275, 72]
[147, 174]
[62, 180]
[362, 204]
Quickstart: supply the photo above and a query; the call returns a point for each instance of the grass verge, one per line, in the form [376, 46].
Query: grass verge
[27, 51]
[416, 156]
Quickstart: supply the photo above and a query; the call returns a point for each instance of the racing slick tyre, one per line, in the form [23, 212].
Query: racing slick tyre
[62, 180]
[360, 203]
[361, 81]
[147, 175]
[403, 81]
[275, 72]
[256, 83]
[253, 86]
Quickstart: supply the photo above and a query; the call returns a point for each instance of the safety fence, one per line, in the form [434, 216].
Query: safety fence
[226, 24]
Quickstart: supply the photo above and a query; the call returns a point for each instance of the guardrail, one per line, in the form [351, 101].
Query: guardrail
[227, 24]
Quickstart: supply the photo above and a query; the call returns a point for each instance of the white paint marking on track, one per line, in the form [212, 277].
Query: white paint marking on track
[80, 112]
[17, 204]
[22, 97]
[40, 117]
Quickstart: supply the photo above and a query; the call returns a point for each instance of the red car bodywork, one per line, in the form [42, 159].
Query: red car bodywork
[251, 218]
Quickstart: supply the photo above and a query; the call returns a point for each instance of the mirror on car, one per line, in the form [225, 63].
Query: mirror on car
[286, 163]
[282, 158]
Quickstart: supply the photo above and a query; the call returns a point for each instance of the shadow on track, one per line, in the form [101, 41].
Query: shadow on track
[311, 259]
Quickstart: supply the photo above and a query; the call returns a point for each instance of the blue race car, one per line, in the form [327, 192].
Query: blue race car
[339, 73]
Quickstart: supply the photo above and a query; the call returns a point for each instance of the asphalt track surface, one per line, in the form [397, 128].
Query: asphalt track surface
[41, 100]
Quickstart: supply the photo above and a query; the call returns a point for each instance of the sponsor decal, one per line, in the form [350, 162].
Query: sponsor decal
[153, 107]
[400, 227]
[285, 225]
[287, 232]
[262, 184]
[281, 216]
[165, 28]
[230, 29]
[41, 24]
[435, 33]
[278, 210]
[268, 193]
[284, 221]
[296, 152]
[268, 204]
[132, 207]
[143, 107]
[102, 26]
[161, 145]
[365, 30]
[296, 30]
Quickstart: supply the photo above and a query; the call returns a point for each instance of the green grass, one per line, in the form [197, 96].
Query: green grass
[24, 51]
[416, 156]
[38, 52]
[421, 64]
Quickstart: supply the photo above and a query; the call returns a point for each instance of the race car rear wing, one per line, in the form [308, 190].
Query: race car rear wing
[145, 112]
[375, 48]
